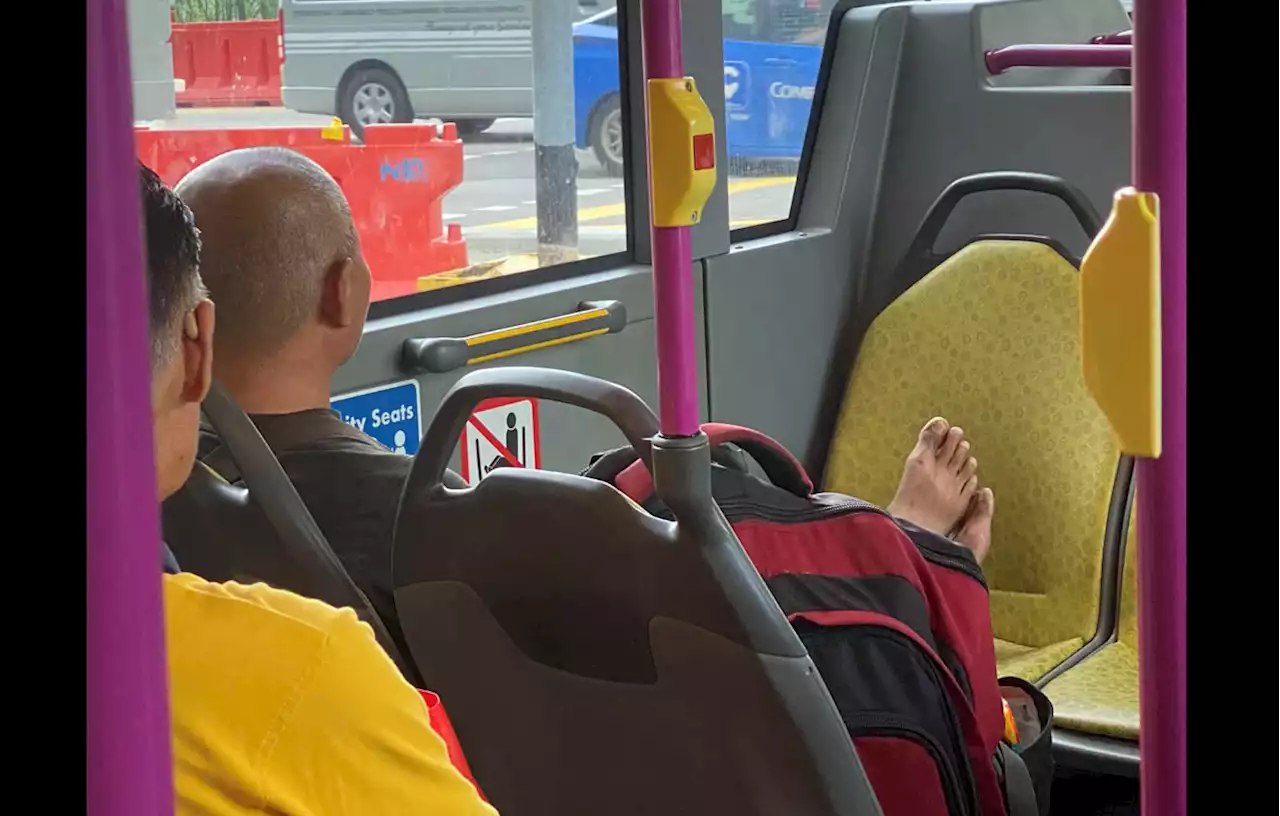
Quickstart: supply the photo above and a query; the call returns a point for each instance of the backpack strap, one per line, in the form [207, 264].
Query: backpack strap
[1027, 774]
[1015, 780]
[605, 467]
[782, 469]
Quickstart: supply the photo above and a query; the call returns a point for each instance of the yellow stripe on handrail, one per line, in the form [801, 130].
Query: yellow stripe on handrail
[559, 341]
[529, 328]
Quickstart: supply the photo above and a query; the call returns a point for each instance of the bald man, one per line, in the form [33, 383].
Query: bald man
[282, 262]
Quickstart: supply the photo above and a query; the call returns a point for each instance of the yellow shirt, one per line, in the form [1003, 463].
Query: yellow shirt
[285, 705]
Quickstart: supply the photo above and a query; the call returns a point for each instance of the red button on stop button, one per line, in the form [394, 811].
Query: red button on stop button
[704, 151]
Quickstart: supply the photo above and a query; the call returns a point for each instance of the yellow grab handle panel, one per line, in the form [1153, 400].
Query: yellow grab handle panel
[682, 152]
[1120, 321]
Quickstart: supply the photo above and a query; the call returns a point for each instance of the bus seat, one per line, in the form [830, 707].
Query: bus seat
[218, 532]
[260, 531]
[595, 658]
[988, 337]
[1096, 701]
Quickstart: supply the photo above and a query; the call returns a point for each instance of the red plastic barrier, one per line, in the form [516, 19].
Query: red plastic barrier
[228, 64]
[395, 183]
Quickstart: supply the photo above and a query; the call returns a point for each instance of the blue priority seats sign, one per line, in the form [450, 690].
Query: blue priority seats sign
[390, 413]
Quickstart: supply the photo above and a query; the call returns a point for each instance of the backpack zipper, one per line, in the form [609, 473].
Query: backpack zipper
[736, 509]
[958, 780]
[954, 562]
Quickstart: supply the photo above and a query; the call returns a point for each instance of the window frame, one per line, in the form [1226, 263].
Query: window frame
[792, 218]
[422, 301]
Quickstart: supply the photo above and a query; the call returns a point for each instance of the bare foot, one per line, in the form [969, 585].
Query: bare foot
[938, 480]
[975, 527]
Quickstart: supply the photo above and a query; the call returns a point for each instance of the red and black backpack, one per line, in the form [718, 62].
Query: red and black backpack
[897, 620]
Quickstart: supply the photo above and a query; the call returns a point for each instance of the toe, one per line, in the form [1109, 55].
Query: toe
[960, 456]
[969, 487]
[985, 504]
[969, 468]
[950, 444]
[934, 433]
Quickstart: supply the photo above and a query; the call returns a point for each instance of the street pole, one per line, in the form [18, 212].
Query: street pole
[555, 162]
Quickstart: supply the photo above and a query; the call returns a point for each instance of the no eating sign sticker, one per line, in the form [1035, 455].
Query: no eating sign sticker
[500, 433]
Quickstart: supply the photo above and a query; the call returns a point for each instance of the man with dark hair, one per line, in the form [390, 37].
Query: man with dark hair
[282, 260]
[280, 704]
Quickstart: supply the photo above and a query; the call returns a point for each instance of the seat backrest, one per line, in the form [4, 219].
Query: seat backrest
[989, 338]
[217, 531]
[261, 530]
[592, 657]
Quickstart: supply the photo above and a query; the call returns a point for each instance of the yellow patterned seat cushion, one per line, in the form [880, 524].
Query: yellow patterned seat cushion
[1100, 694]
[990, 340]
[1016, 660]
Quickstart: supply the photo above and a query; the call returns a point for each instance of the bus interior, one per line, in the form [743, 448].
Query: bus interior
[958, 160]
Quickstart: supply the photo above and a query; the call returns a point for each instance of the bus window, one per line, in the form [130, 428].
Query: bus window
[470, 211]
[803, 22]
[772, 52]
[739, 19]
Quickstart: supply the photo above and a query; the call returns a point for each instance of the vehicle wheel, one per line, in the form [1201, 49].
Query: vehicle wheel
[605, 135]
[373, 96]
[473, 127]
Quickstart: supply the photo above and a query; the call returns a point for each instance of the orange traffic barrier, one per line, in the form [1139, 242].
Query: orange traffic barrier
[227, 64]
[395, 183]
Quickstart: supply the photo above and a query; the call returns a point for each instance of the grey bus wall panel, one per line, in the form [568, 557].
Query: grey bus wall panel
[775, 306]
[910, 110]
[1077, 132]
[439, 355]
[568, 436]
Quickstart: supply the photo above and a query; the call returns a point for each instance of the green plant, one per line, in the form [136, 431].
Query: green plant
[209, 11]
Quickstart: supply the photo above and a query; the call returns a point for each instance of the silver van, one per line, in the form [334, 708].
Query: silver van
[366, 61]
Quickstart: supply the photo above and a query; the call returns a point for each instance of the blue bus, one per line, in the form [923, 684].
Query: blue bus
[772, 51]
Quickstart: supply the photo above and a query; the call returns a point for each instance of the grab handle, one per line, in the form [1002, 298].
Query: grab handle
[1059, 56]
[618, 404]
[936, 218]
[439, 355]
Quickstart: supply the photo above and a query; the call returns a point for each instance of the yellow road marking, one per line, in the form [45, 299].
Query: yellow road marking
[746, 184]
[612, 210]
[585, 214]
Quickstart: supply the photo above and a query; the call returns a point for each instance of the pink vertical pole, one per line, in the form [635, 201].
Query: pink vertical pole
[129, 770]
[672, 252]
[1160, 166]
